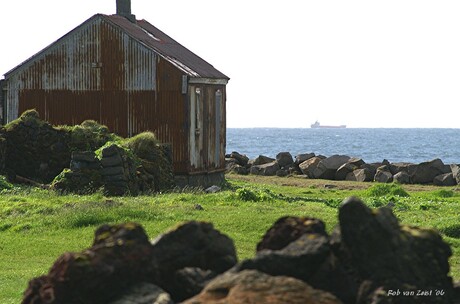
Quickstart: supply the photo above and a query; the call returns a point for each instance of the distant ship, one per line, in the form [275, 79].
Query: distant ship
[317, 125]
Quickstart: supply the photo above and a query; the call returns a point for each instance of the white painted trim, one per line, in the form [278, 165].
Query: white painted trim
[208, 81]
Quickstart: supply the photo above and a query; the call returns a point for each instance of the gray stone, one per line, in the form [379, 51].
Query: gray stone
[254, 170]
[383, 175]
[260, 160]
[360, 175]
[402, 177]
[327, 167]
[230, 164]
[144, 293]
[344, 170]
[300, 158]
[358, 162]
[284, 159]
[446, 179]
[308, 167]
[241, 159]
[426, 172]
[408, 168]
[240, 170]
[268, 169]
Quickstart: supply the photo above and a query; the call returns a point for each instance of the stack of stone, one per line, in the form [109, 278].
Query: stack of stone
[118, 171]
[85, 160]
[83, 176]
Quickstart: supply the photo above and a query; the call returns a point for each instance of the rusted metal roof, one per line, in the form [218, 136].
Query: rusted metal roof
[170, 49]
[159, 42]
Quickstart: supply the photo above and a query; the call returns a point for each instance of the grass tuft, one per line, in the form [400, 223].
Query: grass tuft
[387, 189]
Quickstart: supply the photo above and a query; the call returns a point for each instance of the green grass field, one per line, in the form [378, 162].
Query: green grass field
[37, 226]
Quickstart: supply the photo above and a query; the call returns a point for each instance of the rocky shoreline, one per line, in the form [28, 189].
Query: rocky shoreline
[344, 167]
[368, 258]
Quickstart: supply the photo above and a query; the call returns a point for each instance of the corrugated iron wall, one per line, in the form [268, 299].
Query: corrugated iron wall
[164, 113]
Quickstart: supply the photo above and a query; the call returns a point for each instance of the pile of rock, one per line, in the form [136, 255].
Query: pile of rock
[343, 167]
[116, 171]
[32, 149]
[368, 258]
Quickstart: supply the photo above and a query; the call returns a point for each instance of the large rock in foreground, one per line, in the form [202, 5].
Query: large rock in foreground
[387, 256]
[189, 256]
[120, 257]
[250, 286]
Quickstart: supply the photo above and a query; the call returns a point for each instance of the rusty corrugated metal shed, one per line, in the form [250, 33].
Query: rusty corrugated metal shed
[131, 77]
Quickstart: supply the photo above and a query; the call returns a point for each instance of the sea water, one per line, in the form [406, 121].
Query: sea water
[372, 145]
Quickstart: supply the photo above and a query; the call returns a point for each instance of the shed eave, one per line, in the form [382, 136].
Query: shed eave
[200, 80]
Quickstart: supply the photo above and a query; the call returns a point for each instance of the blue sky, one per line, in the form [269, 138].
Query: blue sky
[361, 63]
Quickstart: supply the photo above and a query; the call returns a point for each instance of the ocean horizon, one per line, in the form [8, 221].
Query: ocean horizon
[413, 145]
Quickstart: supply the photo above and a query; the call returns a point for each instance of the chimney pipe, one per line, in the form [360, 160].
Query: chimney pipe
[124, 10]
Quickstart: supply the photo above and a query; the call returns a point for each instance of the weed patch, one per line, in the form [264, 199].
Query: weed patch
[386, 189]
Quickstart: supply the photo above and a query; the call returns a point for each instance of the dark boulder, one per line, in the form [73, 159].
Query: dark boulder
[383, 174]
[282, 173]
[327, 167]
[300, 158]
[425, 172]
[120, 257]
[344, 170]
[299, 259]
[360, 175]
[402, 177]
[241, 159]
[240, 170]
[288, 229]
[193, 244]
[261, 159]
[284, 159]
[408, 168]
[308, 167]
[446, 179]
[267, 169]
[391, 256]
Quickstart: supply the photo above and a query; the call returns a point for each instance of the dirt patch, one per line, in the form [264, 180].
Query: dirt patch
[301, 181]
